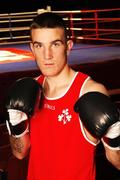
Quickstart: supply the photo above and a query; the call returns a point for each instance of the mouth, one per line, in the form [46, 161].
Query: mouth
[48, 64]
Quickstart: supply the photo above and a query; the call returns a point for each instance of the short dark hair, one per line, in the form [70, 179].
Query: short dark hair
[48, 20]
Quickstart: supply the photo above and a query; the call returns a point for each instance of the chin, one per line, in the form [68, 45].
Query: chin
[49, 74]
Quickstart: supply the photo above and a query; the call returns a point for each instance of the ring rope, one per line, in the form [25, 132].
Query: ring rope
[16, 25]
[86, 11]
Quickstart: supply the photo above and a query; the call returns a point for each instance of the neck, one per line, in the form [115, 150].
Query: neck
[55, 86]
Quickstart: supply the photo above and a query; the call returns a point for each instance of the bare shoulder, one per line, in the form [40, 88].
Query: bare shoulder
[92, 85]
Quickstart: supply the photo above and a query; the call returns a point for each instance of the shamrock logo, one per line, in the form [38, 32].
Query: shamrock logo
[65, 116]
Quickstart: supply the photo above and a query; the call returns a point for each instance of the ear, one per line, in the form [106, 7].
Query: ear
[69, 46]
[31, 47]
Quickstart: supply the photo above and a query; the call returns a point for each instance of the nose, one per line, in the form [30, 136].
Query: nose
[48, 53]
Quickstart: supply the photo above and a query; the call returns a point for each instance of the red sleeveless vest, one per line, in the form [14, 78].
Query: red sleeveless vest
[59, 148]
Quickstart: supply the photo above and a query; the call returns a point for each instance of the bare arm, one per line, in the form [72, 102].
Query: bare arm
[113, 156]
[20, 146]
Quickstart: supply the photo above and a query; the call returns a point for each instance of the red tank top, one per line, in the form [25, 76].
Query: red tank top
[59, 148]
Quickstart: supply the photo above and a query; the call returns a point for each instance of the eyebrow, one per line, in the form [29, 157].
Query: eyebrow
[36, 42]
[58, 40]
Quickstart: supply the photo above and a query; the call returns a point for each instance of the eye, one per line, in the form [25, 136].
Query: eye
[57, 44]
[37, 45]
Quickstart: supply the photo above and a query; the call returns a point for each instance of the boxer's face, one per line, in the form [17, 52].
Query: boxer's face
[50, 49]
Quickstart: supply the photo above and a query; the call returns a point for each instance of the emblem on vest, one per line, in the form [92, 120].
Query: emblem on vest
[64, 116]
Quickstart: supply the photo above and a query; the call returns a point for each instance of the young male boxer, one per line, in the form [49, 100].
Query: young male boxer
[75, 112]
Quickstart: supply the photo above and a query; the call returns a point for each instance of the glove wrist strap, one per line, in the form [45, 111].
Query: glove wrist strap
[18, 130]
[112, 143]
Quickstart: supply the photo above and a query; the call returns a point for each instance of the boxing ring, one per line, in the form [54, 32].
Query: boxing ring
[96, 36]
[95, 33]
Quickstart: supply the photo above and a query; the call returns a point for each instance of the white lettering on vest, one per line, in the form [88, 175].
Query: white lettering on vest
[48, 106]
